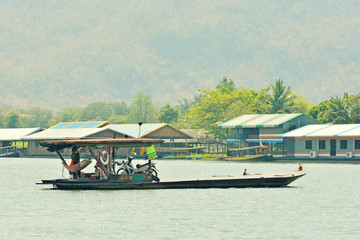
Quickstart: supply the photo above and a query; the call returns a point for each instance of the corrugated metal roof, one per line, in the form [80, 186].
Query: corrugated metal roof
[72, 125]
[13, 134]
[147, 129]
[333, 130]
[259, 120]
[133, 130]
[352, 132]
[75, 131]
[325, 130]
[303, 131]
[70, 133]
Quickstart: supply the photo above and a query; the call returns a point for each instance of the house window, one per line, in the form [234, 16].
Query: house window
[308, 144]
[343, 144]
[357, 144]
[322, 144]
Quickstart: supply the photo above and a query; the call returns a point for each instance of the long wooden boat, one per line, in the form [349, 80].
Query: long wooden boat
[279, 179]
[145, 180]
[251, 158]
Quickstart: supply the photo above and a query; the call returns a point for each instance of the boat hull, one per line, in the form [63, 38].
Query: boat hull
[245, 181]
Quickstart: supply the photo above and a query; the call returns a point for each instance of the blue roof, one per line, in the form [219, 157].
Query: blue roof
[76, 125]
[73, 125]
[60, 125]
[92, 124]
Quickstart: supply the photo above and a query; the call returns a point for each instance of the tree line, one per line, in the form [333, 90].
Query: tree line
[206, 110]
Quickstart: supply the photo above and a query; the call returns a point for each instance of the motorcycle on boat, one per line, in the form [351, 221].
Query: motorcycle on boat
[126, 167]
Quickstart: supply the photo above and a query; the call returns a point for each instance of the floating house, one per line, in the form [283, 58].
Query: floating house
[325, 141]
[67, 130]
[11, 142]
[35, 150]
[257, 129]
[103, 129]
[203, 142]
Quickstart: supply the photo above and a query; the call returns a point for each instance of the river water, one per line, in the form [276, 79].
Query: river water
[324, 204]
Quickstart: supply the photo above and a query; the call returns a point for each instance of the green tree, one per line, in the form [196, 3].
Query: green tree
[71, 114]
[1, 117]
[217, 106]
[119, 119]
[12, 119]
[184, 105]
[353, 108]
[257, 101]
[142, 109]
[3, 112]
[120, 108]
[280, 97]
[342, 110]
[98, 111]
[299, 104]
[226, 85]
[318, 111]
[36, 117]
[169, 114]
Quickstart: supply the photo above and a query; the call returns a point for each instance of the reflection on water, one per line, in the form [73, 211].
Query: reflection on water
[322, 205]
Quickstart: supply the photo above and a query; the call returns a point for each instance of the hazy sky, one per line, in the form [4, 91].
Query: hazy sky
[69, 53]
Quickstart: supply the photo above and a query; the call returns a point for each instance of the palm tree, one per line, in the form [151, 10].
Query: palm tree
[337, 110]
[352, 104]
[280, 97]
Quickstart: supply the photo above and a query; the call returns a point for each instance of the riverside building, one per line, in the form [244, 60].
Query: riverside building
[257, 129]
[325, 141]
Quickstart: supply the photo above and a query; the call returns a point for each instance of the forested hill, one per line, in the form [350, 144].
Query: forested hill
[70, 53]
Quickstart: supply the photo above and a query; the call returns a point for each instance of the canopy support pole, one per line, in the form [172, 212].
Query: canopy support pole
[98, 161]
[61, 157]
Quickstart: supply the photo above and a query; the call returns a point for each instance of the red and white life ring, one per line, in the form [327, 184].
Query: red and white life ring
[104, 157]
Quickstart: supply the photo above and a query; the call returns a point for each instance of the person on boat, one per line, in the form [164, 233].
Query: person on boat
[75, 159]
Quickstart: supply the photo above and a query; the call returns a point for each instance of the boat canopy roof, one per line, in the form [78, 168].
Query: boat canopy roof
[99, 143]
